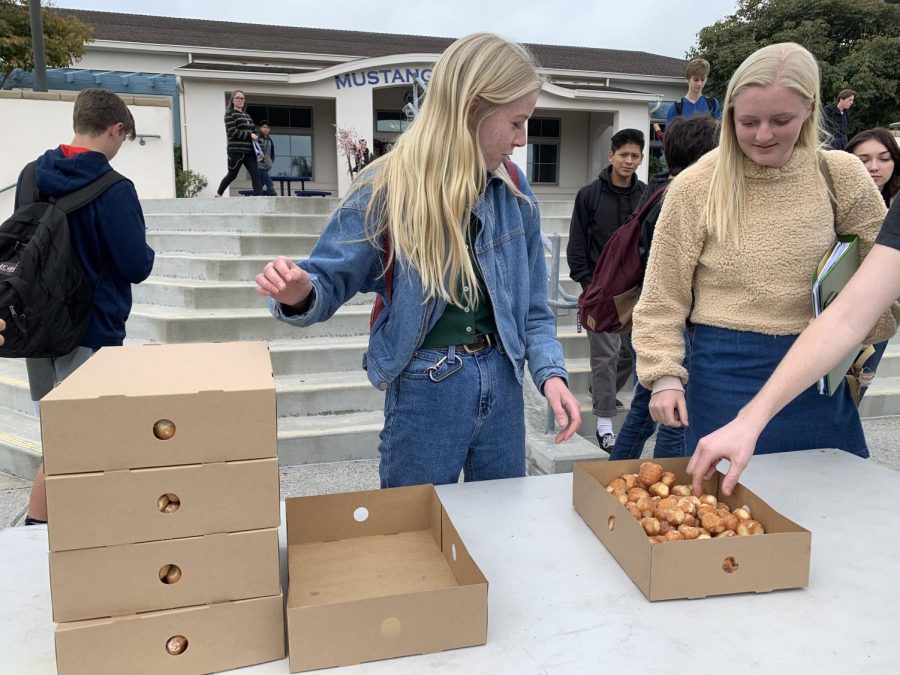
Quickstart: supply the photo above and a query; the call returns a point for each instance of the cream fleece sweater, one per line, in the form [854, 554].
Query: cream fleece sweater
[762, 284]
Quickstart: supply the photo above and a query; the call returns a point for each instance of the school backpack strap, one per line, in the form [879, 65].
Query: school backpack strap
[513, 172]
[84, 196]
[28, 189]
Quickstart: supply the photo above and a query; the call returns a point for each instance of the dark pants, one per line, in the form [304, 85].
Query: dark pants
[639, 426]
[610, 370]
[235, 161]
[266, 181]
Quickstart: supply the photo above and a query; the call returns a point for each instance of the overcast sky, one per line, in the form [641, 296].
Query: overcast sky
[659, 26]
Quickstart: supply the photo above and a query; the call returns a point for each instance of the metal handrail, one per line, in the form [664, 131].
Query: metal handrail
[8, 187]
[558, 299]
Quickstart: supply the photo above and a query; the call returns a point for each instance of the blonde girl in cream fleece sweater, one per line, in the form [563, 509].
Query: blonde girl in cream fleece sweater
[735, 246]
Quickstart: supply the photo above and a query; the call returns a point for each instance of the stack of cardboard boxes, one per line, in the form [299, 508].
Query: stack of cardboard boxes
[163, 504]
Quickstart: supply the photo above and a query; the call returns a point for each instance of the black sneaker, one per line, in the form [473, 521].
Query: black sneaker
[607, 441]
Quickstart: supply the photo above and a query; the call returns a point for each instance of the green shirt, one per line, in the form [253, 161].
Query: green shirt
[458, 325]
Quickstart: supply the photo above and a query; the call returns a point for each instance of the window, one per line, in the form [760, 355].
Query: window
[391, 122]
[543, 150]
[293, 155]
[293, 147]
[282, 116]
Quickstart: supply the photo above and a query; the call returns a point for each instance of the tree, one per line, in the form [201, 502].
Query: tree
[856, 42]
[64, 38]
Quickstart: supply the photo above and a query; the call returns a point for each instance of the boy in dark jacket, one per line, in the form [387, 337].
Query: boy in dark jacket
[600, 209]
[837, 117]
[108, 236]
[686, 141]
[267, 161]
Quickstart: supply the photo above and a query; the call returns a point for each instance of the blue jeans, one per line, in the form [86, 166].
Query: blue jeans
[266, 180]
[639, 426]
[449, 411]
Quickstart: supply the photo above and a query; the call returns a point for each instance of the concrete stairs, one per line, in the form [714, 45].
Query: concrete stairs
[201, 289]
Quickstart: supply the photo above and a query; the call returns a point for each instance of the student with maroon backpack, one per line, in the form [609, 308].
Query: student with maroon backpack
[600, 209]
[685, 142]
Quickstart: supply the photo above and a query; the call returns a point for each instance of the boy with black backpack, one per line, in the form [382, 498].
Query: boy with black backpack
[694, 102]
[106, 239]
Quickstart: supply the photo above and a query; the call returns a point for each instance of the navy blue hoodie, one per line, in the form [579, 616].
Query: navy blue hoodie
[108, 235]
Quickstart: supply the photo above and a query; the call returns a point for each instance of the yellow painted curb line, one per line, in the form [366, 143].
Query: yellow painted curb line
[21, 442]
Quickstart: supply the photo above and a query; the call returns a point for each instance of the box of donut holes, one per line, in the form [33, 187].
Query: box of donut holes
[674, 544]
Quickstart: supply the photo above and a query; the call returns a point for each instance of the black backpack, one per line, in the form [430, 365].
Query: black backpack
[45, 297]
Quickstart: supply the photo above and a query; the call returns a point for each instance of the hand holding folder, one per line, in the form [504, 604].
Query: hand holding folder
[832, 274]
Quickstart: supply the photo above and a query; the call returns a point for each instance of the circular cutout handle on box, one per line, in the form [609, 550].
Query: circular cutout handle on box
[170, 574]
[361, 514]
[168, 503]
[730, 565]
[611, 523]
[391, 627]
[164, 429]
[177, 644]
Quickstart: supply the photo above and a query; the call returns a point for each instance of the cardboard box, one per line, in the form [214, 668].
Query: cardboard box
[109, 581]
[378, 574]
[123, 507]
[220, 397]
[218, 637]
[692, 569]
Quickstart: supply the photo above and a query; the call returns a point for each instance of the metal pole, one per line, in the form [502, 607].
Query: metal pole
[37, 46]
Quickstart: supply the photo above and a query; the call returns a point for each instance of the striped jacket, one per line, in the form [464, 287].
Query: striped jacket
[238, 127]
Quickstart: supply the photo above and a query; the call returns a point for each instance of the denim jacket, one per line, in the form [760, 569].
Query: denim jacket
[509, 250]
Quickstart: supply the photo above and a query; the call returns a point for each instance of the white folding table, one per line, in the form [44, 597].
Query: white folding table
[559, 602]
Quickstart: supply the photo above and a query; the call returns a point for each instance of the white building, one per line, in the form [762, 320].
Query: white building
[308, 82]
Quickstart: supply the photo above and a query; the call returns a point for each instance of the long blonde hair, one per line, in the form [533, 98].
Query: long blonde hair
[424, 190]
[789, 65]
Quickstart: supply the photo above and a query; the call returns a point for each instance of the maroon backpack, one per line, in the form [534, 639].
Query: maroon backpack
[607, 303]
[389, 272]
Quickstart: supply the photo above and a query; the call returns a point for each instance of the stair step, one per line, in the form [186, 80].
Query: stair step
[326, 394]
[236, 223]
[329, 438]
[20, 443]
[171, 324]
[231, 205]
[233, 243]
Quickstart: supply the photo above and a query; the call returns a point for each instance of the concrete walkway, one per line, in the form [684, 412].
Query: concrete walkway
[882, 434]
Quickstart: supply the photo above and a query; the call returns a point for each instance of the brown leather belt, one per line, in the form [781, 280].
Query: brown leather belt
[482, 341]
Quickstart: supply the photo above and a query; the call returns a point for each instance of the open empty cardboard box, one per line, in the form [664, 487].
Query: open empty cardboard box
[378, 574]
[702, 567]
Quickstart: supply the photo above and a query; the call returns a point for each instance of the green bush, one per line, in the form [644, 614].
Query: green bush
[187, 183]
[656, 165]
